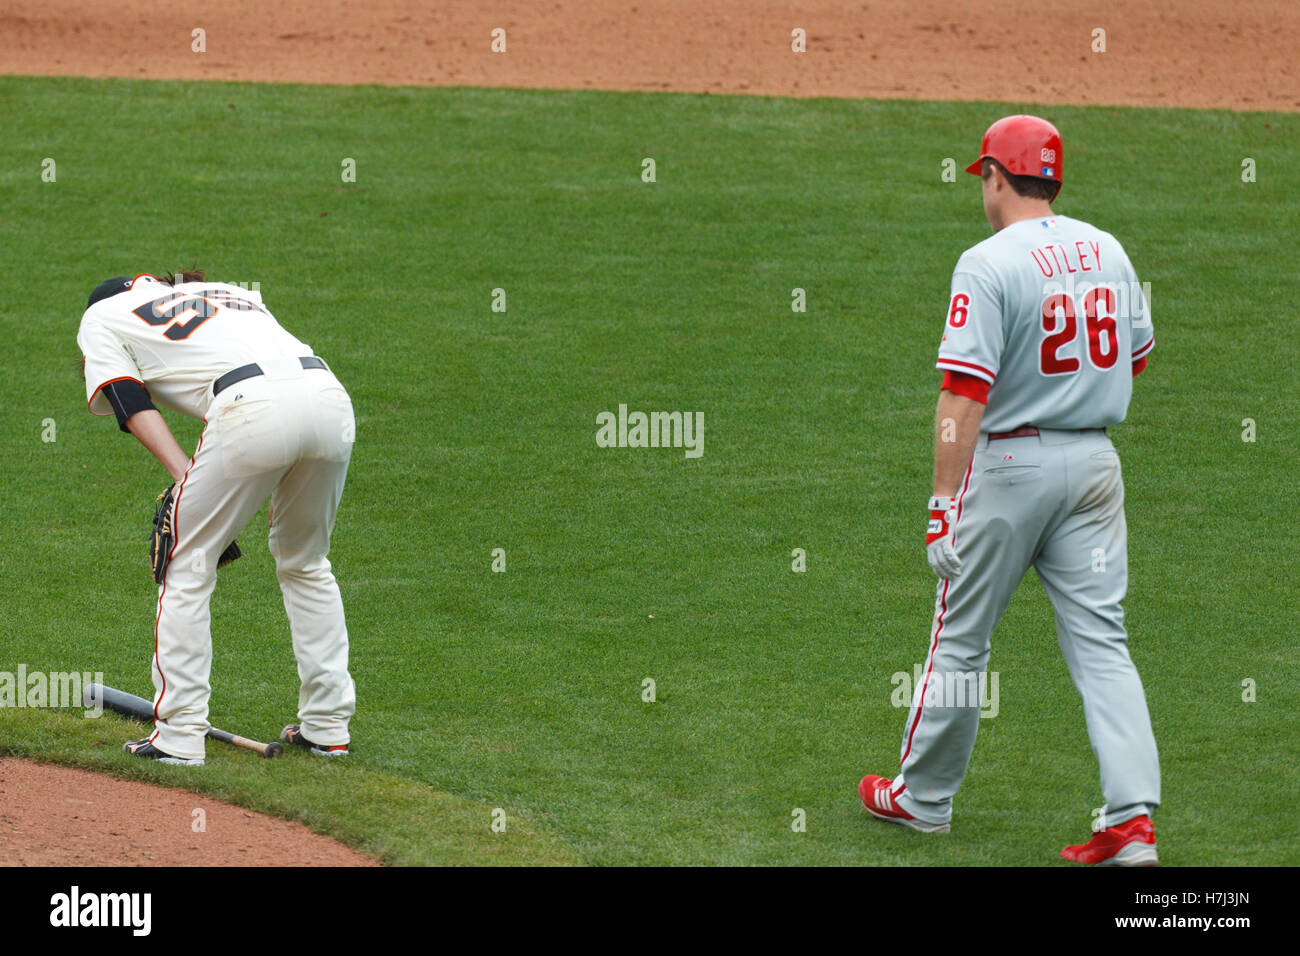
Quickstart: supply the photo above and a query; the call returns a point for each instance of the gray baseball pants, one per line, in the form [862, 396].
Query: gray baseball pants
[1055, 502]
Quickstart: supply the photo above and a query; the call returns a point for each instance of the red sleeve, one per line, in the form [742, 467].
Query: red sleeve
[1139, 365]
[968, 386]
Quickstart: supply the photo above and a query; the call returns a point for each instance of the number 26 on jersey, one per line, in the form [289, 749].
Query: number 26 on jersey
[1059, 327]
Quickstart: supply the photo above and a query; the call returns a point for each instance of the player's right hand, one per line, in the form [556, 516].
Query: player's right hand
[938, 539]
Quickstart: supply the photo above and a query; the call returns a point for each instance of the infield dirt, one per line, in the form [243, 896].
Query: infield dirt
[58, 816]
[1187, 53]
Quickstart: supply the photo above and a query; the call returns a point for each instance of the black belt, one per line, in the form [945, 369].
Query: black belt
[252, 370]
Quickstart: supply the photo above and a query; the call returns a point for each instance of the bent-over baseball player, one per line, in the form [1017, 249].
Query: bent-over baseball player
[276, 422]
[1046, 329]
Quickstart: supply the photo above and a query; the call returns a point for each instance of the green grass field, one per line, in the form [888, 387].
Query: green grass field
[476, 430]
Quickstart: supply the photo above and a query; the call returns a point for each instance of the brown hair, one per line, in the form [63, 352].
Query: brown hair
[192, 274]
[1031, 187]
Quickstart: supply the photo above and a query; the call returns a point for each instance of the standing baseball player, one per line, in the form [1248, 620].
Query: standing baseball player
[1046, 329]
[276, 422]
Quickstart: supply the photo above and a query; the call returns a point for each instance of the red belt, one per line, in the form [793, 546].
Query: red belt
[1029, 431]
[1024, 431]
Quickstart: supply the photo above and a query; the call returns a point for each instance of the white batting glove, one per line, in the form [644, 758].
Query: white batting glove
[938, 539]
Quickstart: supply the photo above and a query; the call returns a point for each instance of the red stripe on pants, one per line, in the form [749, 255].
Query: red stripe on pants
[943, 609]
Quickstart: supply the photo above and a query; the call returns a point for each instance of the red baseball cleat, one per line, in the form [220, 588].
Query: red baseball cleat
[1129, 844]
[879, 800]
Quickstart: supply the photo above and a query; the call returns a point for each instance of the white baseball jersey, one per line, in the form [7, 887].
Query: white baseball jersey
[176, 340]
[287, 434]
[1049, 312]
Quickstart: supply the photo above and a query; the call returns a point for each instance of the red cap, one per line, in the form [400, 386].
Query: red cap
[1025, 145]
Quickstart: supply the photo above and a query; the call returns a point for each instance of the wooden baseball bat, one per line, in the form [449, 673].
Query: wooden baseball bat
[137, 708]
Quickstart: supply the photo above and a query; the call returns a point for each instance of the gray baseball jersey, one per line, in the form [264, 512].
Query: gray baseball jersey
[1049, 312]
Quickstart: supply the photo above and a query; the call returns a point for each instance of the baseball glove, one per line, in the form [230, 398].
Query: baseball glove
[164, 537]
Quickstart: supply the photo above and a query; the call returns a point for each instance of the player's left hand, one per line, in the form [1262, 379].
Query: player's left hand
[938, 539]
[164, 537]
[163, 540]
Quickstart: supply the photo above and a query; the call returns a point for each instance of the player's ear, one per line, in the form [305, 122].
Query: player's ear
[1003, 181]
[988, 172]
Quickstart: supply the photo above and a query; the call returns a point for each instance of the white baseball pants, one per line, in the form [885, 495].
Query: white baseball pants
[287, 433]
[1055, 502]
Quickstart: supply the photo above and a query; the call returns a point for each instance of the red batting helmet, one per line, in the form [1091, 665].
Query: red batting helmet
[1025, 145]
